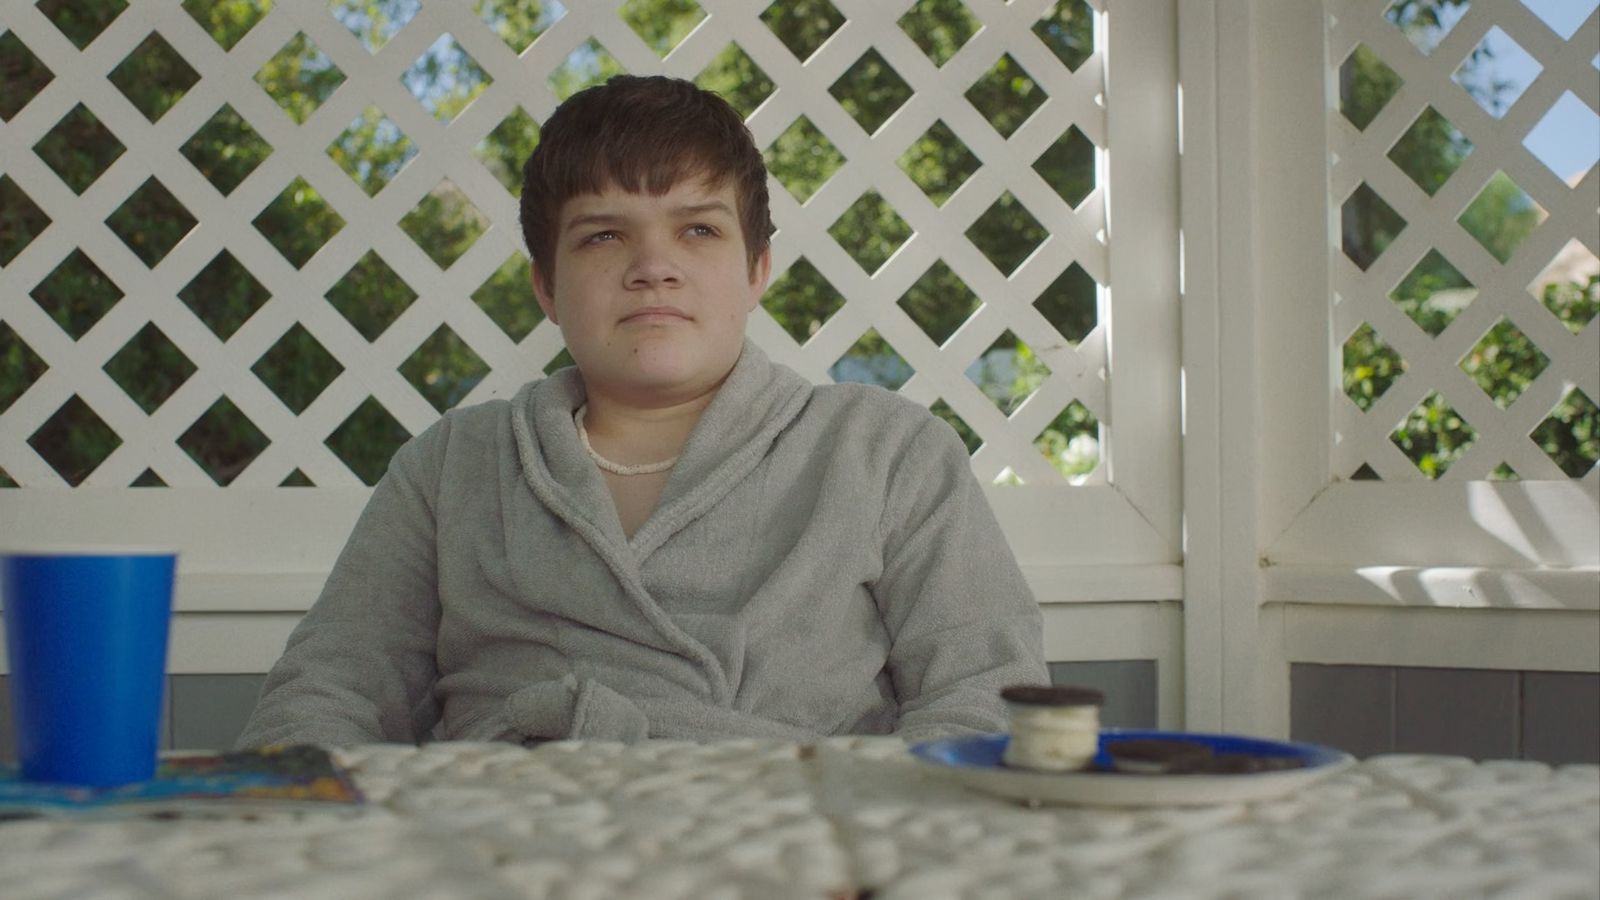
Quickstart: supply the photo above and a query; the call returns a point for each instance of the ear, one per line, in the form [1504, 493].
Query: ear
[543, 291]
[759, 276]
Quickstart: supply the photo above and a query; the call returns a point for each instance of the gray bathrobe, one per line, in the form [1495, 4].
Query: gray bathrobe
[821, 561]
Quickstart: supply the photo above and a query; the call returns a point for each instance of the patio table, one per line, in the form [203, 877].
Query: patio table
[846, 817]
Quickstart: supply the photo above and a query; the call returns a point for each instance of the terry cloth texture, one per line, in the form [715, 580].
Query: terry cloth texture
[822, 561]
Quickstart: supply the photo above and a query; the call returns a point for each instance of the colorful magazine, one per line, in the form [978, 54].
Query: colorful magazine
[296, 776]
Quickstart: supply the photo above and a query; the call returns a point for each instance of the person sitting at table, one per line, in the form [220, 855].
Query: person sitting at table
[678, 537]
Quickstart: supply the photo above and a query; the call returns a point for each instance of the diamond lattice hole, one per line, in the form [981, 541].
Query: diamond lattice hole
[154, 77]
[151, 222]
[227, 21]
[1433, 436]
[446, 79]
[1497, 72]
[1567, 139]
[1369, 226]
[1430, 151]
[870, 231]
[224, 295]
[801, 300]
[562, 360]
[444, 369]
[1570, 286]
[298, 222]
[803, 159]
[940, 27]
[25, 77]
[506, 297]
[1370, 367]
[518, 22]
[20, 365]
[226, 150]
[297, 368]
[939, 302]
[1008, 372]
[939, 163]
[374, 23]
[964, 431]
[1433, 293]
[300, 77]
[150, 368]
[590, 64]
[76, 294]
[1068, 166]
[663, 24]
[1366, 85]
[803, 25]
[1424, 24]
[6, 481]
[78, 148]
[371, 296]
[1504, 362]
[871, 360]
[367, 439]
[21, 220]
[1006, 96]
[444, 224]
[372, 150]
[1071, 442]
[81, 22]
[1502, 216]
[297, 478]
[74, 441]
[871, 91]
[1570, 435]
[1071, 303]
[1504, 472]
[223, 441]
[1563, 16]
[1007, 233]
[1067, 28]
[505, 148]
[737, 78]
[148, 478]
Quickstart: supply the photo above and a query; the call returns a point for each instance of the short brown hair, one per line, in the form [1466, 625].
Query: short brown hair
[646, 133]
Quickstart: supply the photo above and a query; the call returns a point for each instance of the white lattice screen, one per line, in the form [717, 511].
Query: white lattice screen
[445, 160]
[1491, 298]
[259, 535]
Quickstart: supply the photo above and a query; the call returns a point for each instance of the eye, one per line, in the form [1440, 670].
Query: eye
[600, 237]
[702, 230]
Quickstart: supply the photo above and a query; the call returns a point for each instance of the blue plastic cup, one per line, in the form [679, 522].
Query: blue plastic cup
[86, 636]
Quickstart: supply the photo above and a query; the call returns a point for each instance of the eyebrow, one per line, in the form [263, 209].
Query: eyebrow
[686, 210]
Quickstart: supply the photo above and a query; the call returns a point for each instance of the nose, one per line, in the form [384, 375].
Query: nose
[652, 266]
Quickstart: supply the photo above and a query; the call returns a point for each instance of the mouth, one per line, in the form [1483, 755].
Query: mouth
[651, 314]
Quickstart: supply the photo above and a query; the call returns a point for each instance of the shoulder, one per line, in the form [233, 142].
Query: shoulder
[463, 431]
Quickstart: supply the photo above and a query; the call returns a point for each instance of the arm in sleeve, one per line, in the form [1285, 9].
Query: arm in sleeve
[360, 667]
[962, 622]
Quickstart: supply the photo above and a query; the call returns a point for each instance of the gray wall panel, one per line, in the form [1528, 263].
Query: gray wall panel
[1561, 716]
[1464, 712]
[1349, 707]
[209, 711]
[1129, 686]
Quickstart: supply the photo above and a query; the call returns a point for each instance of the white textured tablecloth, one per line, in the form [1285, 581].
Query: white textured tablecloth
[849, 817]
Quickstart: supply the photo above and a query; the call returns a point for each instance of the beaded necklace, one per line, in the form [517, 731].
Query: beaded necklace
[614, 467]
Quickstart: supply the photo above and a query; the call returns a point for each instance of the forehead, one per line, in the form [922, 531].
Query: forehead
[613, 199]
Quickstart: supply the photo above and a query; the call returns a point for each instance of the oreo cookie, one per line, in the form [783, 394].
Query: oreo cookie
[1052, 695]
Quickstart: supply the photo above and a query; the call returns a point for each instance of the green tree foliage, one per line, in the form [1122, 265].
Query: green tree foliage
[1433, 293]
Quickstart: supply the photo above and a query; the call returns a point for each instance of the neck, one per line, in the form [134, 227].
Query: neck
[634, 435]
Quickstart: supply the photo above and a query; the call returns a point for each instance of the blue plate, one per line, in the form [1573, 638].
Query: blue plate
[976, 762]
